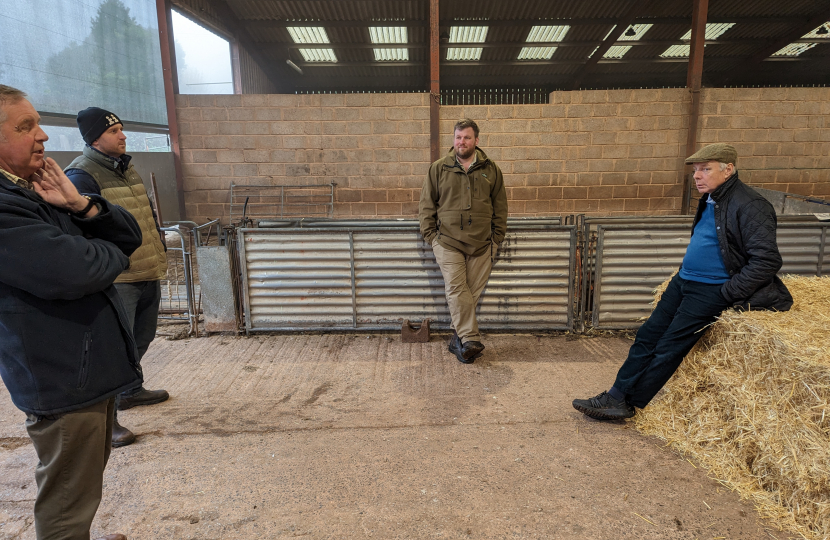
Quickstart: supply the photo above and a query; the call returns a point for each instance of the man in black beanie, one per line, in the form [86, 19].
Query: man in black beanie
[105, 169]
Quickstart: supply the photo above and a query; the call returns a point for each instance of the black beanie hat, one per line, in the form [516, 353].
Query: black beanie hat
[93, 121]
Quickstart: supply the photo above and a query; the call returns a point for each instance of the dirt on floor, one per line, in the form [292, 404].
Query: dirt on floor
[362, 436]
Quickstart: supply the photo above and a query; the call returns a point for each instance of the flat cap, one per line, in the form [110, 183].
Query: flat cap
[725, 153]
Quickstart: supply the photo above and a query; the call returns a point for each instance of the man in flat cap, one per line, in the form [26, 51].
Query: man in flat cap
[731, 261]
[105, 169]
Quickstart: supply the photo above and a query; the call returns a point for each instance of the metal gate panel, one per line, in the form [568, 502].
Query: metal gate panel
[396, 278]
[531, 284]
[631, 263]
[292, 280]
[632, 260]
[365, 278]
[802, 247]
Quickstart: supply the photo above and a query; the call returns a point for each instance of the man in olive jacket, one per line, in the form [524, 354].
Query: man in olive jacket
[105, 169]
[66, 349]
[463, 216]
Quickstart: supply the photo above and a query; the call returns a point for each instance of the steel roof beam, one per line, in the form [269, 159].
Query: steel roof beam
[511, 63]
[270, 24]
[518, 44]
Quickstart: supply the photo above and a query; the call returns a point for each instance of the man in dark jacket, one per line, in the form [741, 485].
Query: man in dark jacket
[65, 347]
[731, 261]
[463, 216]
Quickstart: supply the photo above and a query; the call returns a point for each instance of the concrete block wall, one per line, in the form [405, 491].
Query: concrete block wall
[375, 147]
[599, 152]
[782, 135]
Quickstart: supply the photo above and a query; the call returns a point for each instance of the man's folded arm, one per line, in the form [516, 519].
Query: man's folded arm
[43, 260]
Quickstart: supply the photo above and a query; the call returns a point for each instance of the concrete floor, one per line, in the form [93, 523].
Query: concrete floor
[362, 436]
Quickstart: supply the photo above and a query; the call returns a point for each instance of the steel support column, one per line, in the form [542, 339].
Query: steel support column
[434, 84]
[694, 76]
[168, 64]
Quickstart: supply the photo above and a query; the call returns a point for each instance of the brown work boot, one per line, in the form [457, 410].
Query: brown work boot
[116, 536]
[121, 436]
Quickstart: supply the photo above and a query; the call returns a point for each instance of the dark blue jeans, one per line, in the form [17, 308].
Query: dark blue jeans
[141, 300]
[685, 308]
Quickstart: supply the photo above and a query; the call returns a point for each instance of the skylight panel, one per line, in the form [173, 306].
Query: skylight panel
[467, 34]
[389, 34]
[543, 34]
[713, 31]
[632, 33]
[315, 35]
[794, 49]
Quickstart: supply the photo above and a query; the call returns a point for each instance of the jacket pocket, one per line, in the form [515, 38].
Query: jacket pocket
[83, 372]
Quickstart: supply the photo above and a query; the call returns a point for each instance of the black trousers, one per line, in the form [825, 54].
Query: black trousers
[685, 308]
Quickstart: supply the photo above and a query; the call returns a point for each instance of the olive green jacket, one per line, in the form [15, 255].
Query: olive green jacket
[464, 210]
[125, 188]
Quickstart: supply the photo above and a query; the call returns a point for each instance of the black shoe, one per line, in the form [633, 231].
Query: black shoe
[472, 349]
[121, 436]
[142, 397]
[455, 348]
[604, 407]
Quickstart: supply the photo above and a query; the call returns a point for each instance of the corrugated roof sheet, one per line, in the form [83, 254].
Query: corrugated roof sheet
[467, 34]
[635, 32]
[713, 31]
[360, 61]
[385, 35]
[312, 35]
[543, 34]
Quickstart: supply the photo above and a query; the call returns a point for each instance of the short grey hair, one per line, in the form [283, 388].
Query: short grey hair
[723, 165]
[9, 95]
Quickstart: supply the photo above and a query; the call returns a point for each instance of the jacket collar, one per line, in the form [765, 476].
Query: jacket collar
[724, 189]
[16, 180]
[450, 160]
[9, 185]
[120, 164]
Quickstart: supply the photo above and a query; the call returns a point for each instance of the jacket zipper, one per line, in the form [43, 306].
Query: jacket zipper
[83, 375]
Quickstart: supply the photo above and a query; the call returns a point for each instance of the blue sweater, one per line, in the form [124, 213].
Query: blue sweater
[703, 261]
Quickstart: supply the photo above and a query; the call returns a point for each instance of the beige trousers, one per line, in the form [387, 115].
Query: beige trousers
[73, 450]
[464, 280]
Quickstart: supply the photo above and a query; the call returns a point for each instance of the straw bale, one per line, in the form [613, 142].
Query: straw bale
[751, 402]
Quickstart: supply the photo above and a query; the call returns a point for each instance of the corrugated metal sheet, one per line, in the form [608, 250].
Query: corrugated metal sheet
[389, 34]
[374, 278]
[254, 80]
[347, 24]
[632, 260]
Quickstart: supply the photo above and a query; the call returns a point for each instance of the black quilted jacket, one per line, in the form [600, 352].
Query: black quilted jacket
[746, 228]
